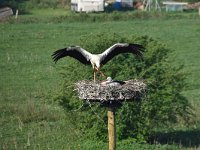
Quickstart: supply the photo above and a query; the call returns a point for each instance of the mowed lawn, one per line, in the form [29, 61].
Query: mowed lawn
[29, 117]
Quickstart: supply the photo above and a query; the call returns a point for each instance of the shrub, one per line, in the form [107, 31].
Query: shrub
[24, 5]
[162, 105]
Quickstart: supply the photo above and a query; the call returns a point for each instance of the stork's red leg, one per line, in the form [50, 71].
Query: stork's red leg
[102, 74]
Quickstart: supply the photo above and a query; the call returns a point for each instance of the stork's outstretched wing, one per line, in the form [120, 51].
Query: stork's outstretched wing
[74, 51]
[120, 48]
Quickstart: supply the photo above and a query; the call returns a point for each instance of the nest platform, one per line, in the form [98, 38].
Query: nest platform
[95, 92]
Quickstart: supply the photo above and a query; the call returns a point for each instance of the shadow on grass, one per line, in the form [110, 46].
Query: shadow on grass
[189, 138]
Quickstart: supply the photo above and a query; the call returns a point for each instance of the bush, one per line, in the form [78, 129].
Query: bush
[162, 105]
[24, 5]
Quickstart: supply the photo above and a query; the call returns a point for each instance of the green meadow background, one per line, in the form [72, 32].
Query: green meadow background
[29, 80]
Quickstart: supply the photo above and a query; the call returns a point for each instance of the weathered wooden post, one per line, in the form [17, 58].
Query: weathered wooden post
[112, 97]
[16, 14]
[111, 128]
[199, 11]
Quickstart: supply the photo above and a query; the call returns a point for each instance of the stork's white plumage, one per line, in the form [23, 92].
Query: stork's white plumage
[96, 60]
[110, 82]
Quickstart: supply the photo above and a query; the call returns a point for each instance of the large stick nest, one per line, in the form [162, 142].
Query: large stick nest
[95, 92]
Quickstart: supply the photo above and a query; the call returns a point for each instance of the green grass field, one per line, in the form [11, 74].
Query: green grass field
[31, 119]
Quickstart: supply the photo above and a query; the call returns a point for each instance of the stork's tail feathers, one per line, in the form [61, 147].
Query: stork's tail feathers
[58, 54]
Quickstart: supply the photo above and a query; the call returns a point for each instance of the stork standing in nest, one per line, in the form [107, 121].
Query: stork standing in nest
[96, 60]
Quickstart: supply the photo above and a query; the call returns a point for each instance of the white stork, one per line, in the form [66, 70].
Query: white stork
[109, 81]
[96, 60]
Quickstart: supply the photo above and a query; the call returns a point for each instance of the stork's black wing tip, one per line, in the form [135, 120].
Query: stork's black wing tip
[137, 45]
[54, 59]
[53, 56]
[58, 54]
[138, 49]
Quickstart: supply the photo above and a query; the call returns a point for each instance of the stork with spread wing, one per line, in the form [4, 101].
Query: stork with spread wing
[96, 60]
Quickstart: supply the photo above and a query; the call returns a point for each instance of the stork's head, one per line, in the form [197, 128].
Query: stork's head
[98, 65]
[109, 79]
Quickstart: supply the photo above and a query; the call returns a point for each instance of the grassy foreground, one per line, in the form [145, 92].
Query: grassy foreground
[30, 119]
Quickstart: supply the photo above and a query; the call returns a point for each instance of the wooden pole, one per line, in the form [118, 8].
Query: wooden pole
[16, 14]
[199, 11]
[111, 128]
